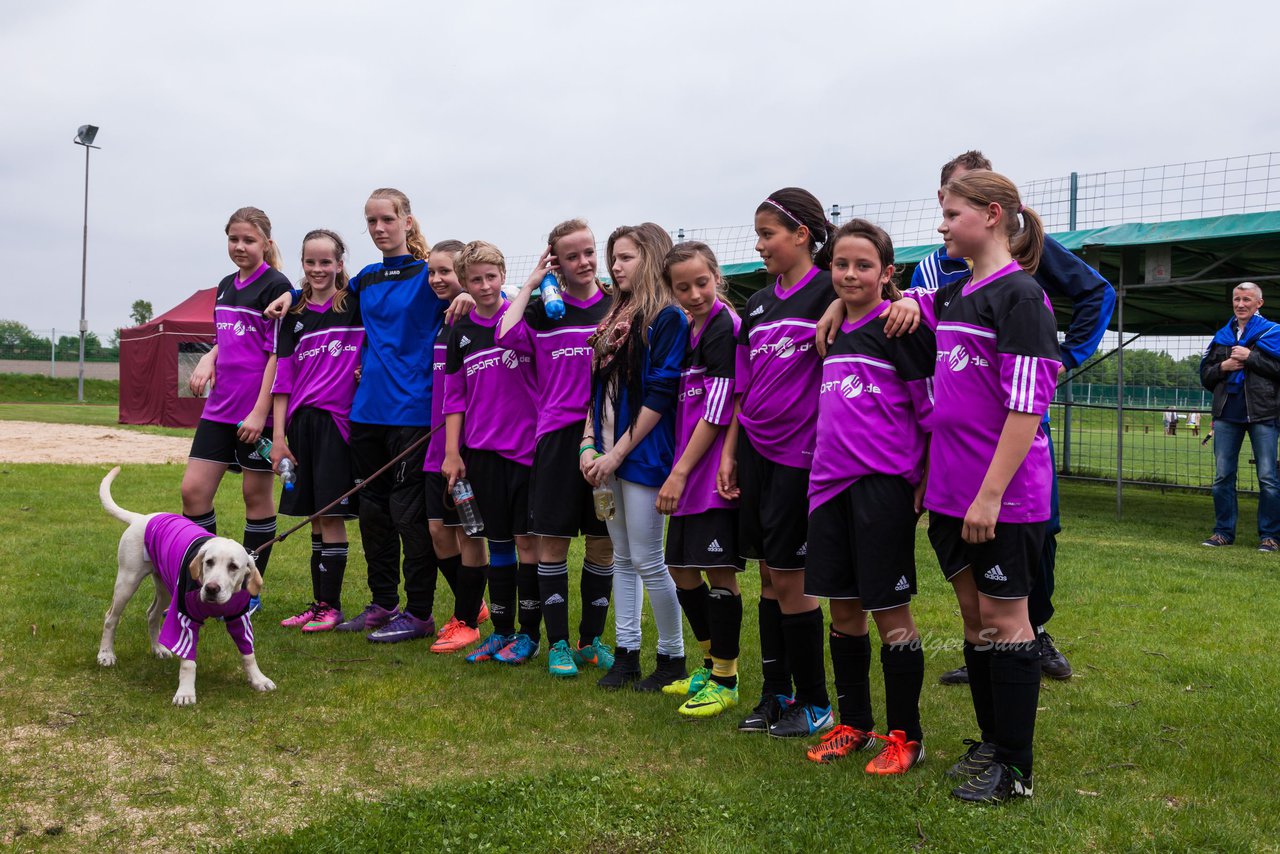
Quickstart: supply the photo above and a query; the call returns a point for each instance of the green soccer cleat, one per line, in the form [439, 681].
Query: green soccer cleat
[594, 654]
[712, 699]
[692, 685]
[560, 660]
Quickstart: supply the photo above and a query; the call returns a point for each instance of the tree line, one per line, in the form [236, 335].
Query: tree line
[19, 341]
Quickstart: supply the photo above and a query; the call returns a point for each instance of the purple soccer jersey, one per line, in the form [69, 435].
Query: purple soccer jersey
[873, 405]
[706, 394]
[562, 357]
[319, 352]
[779, 370]
[245, 340]
[494, 386]
[435, 445]
[997, 352]
[171, 542]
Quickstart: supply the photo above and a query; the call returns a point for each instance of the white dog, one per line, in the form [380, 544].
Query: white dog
[197, 576]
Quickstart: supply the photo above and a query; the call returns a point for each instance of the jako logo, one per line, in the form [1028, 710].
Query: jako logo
[510, 359]
[851, 386]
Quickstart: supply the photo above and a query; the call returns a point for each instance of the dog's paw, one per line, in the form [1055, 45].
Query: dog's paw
[160, 652]
[184, 698]
[106, 658]
[262, 683]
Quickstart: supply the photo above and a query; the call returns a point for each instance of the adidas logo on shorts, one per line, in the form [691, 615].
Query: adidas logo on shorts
[602, 602]
[715, 548]
[464, 342]
[759, 310]
[554, 599]
[994, 574]
[803, 551]
[902, 584]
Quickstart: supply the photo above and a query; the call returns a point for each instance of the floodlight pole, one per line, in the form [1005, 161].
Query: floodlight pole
[84, 256]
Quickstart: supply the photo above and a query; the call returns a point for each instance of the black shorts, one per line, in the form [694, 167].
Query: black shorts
[502, 493]
[1003, 568]
[324, 466]
[862, 544]
[707, 540]
[774, 509]
[560, 502]
[216, 442]
[438, 508]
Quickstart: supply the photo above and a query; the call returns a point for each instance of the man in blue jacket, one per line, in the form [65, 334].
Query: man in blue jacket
[1061, 274]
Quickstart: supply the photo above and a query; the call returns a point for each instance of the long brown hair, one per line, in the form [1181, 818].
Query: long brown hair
[416, 241]
[793, 207]
[259, 220]
[340, 280]
[984, 187]
[645, 296]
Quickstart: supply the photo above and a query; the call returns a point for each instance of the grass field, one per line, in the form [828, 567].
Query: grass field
[1165, 740]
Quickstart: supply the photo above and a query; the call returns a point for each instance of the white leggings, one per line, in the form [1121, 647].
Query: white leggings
[639, 565]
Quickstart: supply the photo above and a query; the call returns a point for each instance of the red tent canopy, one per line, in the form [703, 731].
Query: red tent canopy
[156, 359]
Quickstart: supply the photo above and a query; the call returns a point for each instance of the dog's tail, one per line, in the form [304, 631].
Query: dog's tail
[108, 504]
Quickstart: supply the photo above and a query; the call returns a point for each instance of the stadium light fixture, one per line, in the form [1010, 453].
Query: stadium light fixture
[85, 136]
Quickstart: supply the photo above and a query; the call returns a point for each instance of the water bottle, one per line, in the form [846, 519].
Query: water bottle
[602, 498]
[464, 498]
[552, 303]
[262, 446]
[287, 474]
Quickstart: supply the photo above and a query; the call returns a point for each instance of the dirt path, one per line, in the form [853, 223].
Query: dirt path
[31, 442]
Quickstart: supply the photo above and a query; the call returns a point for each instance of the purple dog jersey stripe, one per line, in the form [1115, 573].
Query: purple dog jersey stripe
[997, 352]
[706, 394]
[245, 341]
[167, 539]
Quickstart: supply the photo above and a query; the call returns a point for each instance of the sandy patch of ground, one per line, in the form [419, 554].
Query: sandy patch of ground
[31, 442]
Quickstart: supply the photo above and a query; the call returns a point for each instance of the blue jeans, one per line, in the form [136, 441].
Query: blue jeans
[1228, 436]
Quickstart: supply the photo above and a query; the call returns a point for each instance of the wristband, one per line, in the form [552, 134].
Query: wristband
[584, 449]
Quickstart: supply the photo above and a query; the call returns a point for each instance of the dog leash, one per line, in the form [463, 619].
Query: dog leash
[280, 538]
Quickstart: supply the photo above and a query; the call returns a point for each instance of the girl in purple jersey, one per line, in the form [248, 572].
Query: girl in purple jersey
[318, 355]
[864, 499]
[629, 443]
[768, 451]
[702, 535]
[990, 473]
[241, 368]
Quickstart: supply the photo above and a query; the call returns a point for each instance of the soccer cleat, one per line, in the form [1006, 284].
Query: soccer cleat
[692, 685]
[1052, 663]
[801, 721]
[1216, 540]
[766, 713]
[839, 743]
[300, 619]
[712, 699]
[959, 676]
[994, 784]
[483, 616]
[560, 660]
[595, 654]
[255, 605]
[1268, 544]
[669, 668]
[372, 617]
[624, 671]
[403, 628]
[325, 619]
[979, 755]
[518, 651]
[898, 755]
[492, 645]
[456, 635]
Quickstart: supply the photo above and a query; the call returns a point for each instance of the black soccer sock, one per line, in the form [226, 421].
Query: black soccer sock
[317, 543]
[470, 581]
[851, 667]
[695, 604]
[530, 601]
[257, 532]
[773, 650]
[502, 599]
[208, 521]
[803, 633]
[1015, 693]
[553, 588]
[596, 586]
[903, 666]
[979, 663]
[724, 612]
[449, 569]
[330, 570]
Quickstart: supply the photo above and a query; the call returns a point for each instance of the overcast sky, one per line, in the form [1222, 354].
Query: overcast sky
[499, 119]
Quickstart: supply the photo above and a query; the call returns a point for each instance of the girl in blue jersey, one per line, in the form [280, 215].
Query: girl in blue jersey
[241, 368]
[629, 444]
[768, 452]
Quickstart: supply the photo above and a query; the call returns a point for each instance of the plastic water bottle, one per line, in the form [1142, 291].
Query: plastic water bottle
[287, 474]
[602, 498]
[262, 446]
[552, 303]
[464, 498]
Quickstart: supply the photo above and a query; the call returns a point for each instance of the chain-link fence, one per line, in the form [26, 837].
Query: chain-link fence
[55, 353]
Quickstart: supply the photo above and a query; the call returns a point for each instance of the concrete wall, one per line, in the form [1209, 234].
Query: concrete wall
[92, 370]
